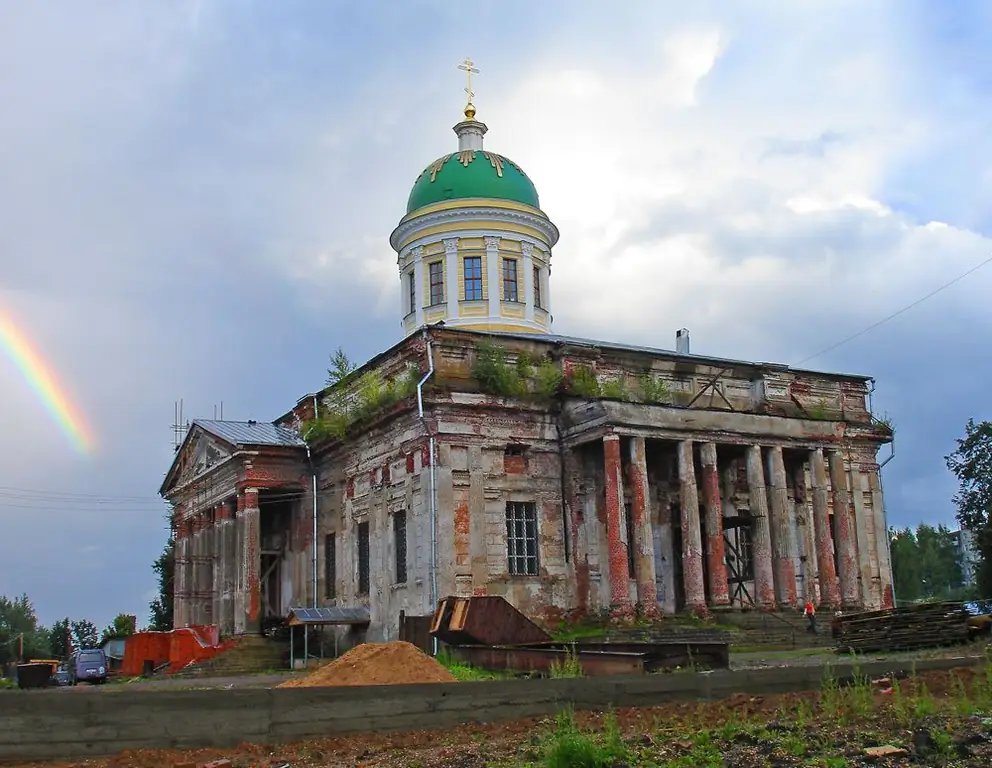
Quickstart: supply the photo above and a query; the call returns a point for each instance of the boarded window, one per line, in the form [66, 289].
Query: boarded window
[435, 270]
[363, 558]
[330, 567]
[521, 538]
[399, 534]
[510, 280]
[473, 278]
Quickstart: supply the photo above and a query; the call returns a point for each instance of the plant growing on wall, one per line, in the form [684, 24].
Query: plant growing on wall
[582, 382]
[548, 380]
[885, 422]
[495, 374]
[654, 389]
[615, 389]
[370, 394]
[819, 410]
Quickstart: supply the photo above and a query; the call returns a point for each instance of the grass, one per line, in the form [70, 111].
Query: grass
[826, 730]
[466, 673]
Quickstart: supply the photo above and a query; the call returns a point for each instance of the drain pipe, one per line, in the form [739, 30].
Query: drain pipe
[313, 478]
[433, 489]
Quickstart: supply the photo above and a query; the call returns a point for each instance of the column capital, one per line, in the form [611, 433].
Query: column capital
[610, 436]
[450, 245]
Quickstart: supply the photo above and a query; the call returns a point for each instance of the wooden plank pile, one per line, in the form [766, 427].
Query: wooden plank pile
[926, 625]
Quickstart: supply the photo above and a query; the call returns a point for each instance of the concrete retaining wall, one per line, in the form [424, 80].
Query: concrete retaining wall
[56, 724]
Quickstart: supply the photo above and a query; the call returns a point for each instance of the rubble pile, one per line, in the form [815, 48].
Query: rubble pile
[396, 663]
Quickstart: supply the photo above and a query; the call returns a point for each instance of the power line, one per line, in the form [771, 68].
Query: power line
[895, 314]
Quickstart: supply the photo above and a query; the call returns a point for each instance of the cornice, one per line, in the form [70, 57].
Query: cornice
[409, 229]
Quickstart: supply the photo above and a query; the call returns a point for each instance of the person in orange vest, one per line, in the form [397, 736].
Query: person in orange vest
[810, 613]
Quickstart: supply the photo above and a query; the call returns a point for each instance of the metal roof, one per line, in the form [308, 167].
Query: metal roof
[251, 433]
[332, 615]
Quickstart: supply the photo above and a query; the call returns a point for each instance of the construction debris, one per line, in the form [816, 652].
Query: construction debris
[925, 625]
[396, 663]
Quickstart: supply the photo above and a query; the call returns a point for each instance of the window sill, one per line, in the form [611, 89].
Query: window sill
[442, 304]
[396, 587]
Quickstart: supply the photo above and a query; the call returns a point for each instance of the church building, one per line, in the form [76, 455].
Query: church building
[484, 454]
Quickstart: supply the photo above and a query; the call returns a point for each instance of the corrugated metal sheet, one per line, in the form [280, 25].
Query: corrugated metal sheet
[251, 433]
[330, 615]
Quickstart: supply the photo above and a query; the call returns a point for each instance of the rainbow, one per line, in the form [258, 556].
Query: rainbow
[39, 376]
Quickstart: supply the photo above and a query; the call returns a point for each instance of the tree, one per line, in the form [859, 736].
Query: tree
[161, 607]
[19, 628]
[925, 563]
[60, 638]
[84, 634]
[341, 367]
[122, 626]
[971, 462]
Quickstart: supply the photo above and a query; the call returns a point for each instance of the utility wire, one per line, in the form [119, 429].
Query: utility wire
[895, 314]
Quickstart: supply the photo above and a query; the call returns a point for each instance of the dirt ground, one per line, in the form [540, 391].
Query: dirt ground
[741, 731]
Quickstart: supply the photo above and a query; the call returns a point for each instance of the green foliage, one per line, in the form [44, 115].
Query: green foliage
[341, 368]
[367, 396]
[568, 668]
[582, 382]
[971, 463]
[17, 618]
[121, 626]
[654, 389]
[925, 564]
[885, 422]
[161, 607]
[496, 375]
[84, 634]
[59, 637]
[568, 746]
[548, 380]
[615, 389]
[819, 410]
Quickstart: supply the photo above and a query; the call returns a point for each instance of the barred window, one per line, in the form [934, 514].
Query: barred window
[473, 278]
[399, 534]
[330, 567]
[363, 558]
[521, 537]
[537, 287]
[510, 280]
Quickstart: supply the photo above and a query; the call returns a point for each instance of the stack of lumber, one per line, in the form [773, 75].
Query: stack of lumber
[927, 625]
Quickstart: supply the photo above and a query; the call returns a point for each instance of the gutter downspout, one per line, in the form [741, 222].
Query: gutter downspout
[313, 475]
[433, 479]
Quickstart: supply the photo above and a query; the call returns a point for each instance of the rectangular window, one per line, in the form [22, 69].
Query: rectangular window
[413, 291]
[473, 278]
[330, 567]
[521, 537]
[399, 534]
[510, 280]
[363, 558]
[436, 272]
[537, 287]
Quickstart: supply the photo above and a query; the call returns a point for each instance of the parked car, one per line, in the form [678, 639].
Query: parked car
[59, 679]
[88, 665]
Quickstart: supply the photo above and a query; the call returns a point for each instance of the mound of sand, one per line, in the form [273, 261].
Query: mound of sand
[376, 664]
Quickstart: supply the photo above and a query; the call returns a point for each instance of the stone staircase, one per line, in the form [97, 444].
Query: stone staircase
[776, 630]
[252, 654]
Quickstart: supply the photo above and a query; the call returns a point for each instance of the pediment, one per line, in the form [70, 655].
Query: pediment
[200, 453]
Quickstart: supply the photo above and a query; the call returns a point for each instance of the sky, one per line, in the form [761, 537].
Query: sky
[198, 196]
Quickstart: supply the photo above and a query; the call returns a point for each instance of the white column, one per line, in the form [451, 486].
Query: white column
[493, 268]
[451, 275]
[418, 281]
[527, 249]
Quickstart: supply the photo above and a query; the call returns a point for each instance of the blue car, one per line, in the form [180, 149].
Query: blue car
[88, 665]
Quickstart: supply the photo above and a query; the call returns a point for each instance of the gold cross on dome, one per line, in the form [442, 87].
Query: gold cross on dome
[468, 67]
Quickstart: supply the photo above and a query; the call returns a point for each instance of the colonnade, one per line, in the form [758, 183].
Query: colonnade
[862, 574]
[217, 566]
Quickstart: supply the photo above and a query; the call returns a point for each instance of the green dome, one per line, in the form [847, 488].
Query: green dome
[472, 173]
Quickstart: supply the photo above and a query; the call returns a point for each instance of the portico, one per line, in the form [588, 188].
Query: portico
[708, 511]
